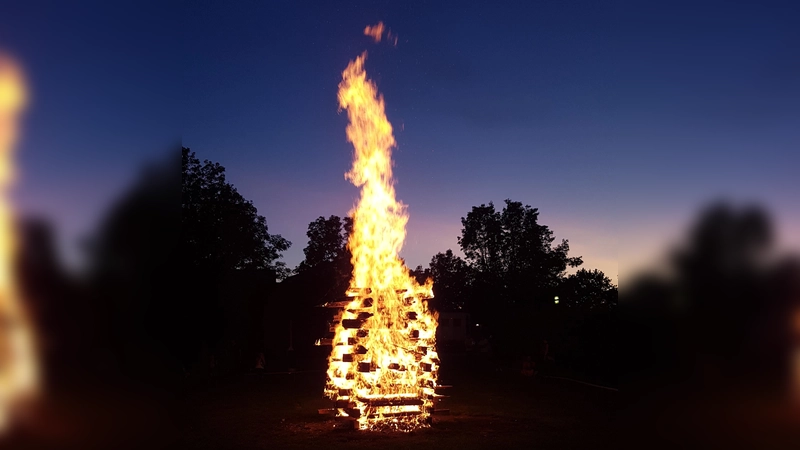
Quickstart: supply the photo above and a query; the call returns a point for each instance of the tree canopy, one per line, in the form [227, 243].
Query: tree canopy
[223, 230]
[510, 249]
[327, 242]
[325, 273]
[452, 281]
[589, 290]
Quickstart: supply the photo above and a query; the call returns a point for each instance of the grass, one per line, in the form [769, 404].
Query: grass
[488, 408]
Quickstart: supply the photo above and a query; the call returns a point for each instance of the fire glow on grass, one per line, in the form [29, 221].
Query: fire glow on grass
[383, 366]
[18, 368]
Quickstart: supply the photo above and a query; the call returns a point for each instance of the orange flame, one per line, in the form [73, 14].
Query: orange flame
[383, 366]
[18, 368]
[374, 31]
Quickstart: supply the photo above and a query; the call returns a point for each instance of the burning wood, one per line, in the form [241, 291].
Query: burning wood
[383, 364]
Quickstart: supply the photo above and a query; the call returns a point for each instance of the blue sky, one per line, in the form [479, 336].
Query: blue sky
[616, 119]
[104, 80]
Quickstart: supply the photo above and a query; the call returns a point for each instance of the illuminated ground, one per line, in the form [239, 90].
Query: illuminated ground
[488, 408]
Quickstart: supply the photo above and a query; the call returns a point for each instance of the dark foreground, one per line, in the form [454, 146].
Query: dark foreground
[487, 408]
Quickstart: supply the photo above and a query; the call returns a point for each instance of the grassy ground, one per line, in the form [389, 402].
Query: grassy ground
[487, 409]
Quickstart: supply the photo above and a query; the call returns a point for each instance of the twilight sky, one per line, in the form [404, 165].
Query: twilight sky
[104, 80]
[615, 119]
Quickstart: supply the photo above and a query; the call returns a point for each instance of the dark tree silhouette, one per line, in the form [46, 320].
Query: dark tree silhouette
[132, 261]
[510, 249]
[589, 290]
[323, 276]
[452, 281]
[230, 264]
[481, 238]
[327, 242]
[722, 279]
[327, 264]
[221, 229]
[135, 314]
[711, 332]
[421, 274]
[508, 279]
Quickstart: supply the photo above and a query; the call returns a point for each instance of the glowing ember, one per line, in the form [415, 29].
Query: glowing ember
[383, 366]
[374, 31]
[18, 369]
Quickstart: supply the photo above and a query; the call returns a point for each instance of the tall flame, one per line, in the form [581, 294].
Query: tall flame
[18, 368]
[383, 366]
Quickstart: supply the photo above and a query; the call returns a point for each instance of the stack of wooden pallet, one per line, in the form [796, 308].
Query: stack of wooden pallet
[379, 392]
